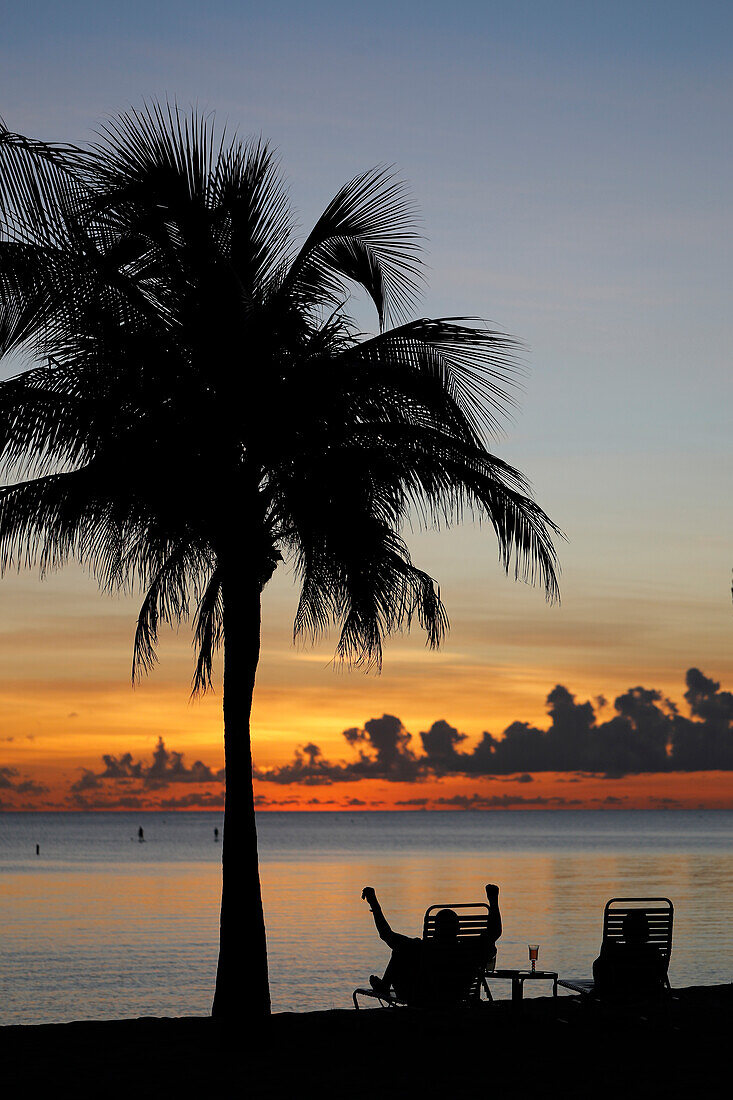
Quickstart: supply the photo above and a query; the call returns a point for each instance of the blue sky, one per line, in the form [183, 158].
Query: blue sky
[572, 163]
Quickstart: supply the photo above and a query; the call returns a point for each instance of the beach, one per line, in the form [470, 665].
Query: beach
[552, 1048]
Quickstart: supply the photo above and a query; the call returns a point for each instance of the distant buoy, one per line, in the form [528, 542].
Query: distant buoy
[140, 834]
[216, 833]
[38, 849]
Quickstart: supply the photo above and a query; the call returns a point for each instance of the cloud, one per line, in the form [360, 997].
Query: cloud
[207, 800]
[29, 786]
[9, 782]
[645, 734]
[384, 752]
[439, 744]
[705, 743]
[165, 769]
[262, 802]
[89, 781]
[478, 801]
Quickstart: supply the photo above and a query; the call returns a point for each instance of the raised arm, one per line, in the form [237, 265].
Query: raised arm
[494, 928]
[383, 928]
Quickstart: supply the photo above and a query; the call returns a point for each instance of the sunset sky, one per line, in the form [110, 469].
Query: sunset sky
[572, 166]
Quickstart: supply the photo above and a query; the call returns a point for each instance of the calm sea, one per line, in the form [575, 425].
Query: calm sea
[100, 926]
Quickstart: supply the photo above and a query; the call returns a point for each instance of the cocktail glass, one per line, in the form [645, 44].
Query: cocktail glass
[534, 950]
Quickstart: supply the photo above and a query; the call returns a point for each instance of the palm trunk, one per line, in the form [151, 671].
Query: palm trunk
[241, 977]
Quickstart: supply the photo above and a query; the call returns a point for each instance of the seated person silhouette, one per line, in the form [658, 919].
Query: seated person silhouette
[436, 971]
[630, 968]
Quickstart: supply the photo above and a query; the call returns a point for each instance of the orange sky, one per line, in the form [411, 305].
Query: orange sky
[547, 791]
[552, 790]
[67, 700]
[66, 697]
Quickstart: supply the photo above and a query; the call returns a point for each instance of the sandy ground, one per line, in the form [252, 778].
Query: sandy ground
[550, 1049]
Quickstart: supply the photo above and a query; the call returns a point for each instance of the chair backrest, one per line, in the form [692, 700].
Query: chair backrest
[658, 911]
[473, 920]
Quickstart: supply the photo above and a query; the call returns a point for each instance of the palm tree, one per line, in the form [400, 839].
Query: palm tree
[197, 406]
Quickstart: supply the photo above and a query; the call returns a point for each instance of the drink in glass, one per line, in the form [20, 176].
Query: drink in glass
[534, 950]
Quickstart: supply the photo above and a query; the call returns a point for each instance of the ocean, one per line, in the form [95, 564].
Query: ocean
[101, 926]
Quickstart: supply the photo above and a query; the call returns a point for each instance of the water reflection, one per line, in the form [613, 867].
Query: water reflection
[556, 901]
[119, 942]
[103, 927]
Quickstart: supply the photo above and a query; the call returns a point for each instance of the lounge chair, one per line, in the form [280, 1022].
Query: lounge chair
[660, 915]
[473, 919]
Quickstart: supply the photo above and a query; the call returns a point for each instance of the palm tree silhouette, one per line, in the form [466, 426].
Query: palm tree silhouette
[199, 406]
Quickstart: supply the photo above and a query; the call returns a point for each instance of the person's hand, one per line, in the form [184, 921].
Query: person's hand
[492, 892]
[368, 894]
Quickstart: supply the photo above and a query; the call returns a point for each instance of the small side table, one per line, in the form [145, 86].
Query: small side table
[519, 977]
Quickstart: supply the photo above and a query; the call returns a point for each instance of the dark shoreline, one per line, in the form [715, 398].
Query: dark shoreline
[552, 1048]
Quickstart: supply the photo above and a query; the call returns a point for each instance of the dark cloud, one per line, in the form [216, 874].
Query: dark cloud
[646, 733]
[439, 744]
[89, 781]
[168, 767]
[478, 801]
[9, 781]
[165, 769]
[384, 752]
[705, 743]
[207, 800]
[29, 786]
[272, 803]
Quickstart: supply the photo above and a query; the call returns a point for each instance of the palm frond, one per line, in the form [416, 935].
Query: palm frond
[179, 148]
[364, 581]
[208, 632]
[41, 186]
[252, 222]
[47, 521]
[475, 366]
[166, 600]
[366, 234]
[217, 198]
[45, 421]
